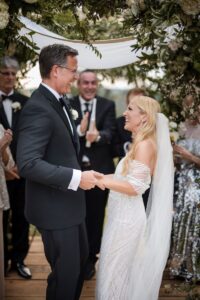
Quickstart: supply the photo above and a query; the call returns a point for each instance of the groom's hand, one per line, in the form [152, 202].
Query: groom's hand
[89, 179]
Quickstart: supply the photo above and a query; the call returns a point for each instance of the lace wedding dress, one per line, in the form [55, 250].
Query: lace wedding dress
[135, 244]
[125, 225]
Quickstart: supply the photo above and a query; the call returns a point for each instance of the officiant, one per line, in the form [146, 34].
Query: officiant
[95, 126]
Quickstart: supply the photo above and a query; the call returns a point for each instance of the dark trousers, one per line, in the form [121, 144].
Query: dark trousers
[96, 200]
[19, 225]
[66, 251]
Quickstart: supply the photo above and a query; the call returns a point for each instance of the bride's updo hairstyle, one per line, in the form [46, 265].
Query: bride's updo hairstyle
[150, 108]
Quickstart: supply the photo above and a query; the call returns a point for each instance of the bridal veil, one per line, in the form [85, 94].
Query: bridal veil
[151, 258]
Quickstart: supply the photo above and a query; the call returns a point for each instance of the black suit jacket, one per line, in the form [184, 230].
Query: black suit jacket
[16, 97]
[121, 137]
[46, 157]
[100, 153]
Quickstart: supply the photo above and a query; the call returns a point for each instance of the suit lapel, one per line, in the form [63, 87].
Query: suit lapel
[3, 118]
[58, 108]
[15, 114]
[98, 110]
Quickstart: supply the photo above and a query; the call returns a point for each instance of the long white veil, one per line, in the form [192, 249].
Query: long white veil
[153, 251]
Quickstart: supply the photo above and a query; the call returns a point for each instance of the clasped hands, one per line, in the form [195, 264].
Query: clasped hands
[91, 134]
[90, 179]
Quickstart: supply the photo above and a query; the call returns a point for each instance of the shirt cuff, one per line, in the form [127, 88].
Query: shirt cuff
[75, 181]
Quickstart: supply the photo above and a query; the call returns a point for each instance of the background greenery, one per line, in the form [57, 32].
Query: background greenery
[168, 28]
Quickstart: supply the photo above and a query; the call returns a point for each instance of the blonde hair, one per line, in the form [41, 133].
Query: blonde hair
[150, 108]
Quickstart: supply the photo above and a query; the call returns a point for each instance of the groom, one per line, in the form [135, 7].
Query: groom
[47, 157]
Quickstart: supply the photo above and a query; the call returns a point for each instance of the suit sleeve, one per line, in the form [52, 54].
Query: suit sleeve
[35, 130]
[108, 129]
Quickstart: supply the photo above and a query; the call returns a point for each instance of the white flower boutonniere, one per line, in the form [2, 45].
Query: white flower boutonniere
[16, 106]
[74, 114]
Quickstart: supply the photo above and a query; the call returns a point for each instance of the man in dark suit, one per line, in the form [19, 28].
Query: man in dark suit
[95, 126]
[10, 109]
[47, 156]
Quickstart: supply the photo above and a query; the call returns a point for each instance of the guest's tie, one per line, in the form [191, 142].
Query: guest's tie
[86, 107]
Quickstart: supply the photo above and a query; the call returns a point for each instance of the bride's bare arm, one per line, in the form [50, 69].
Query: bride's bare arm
[116, 185]
[145, 153]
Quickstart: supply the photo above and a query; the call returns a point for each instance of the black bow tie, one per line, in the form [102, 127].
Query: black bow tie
[4, 97]
[64, 101]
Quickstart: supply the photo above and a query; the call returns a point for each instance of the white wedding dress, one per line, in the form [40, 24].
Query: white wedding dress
[135, 244]
[124, 227]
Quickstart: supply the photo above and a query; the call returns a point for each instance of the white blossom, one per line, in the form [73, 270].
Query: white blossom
[16, 106]
[74, 114]
[30, 1]
[4, 15]
[174, 136]
[80, 13]
[172, 125]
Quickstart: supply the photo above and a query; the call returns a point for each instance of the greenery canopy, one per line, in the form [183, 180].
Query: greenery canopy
[169, 28]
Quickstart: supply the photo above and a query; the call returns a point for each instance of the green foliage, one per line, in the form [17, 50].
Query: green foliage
[168, 29]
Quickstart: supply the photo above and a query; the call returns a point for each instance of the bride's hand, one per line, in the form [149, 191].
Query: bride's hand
[100, 184]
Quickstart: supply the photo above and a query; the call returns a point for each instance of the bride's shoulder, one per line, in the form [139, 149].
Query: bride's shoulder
[147, 145]
[146, 152]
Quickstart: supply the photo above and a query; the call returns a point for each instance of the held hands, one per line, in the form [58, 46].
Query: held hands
[89, 179]
[12, 173]
[101, 183]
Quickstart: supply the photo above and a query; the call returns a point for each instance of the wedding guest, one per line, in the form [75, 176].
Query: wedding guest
[10, 109]
[185, 249]
[6, 162]
[95, 134]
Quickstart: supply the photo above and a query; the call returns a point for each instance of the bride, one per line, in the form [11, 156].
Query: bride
[135, 243]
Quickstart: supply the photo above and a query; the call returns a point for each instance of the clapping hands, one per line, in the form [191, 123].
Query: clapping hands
[5, 140]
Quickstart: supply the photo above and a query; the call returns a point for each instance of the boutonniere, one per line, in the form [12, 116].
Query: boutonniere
[74, 114]
[16, 106]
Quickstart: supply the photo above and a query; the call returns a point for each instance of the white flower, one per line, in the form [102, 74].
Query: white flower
[30, 1]
[174, 136]
[4, 15]
[16, 106]
[80, 13]
[74, 114]
[172, 125]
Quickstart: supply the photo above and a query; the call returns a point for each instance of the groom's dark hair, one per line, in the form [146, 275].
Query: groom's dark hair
[55, 54]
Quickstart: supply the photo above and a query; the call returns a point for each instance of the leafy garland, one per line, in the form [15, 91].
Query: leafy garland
[168, 28]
